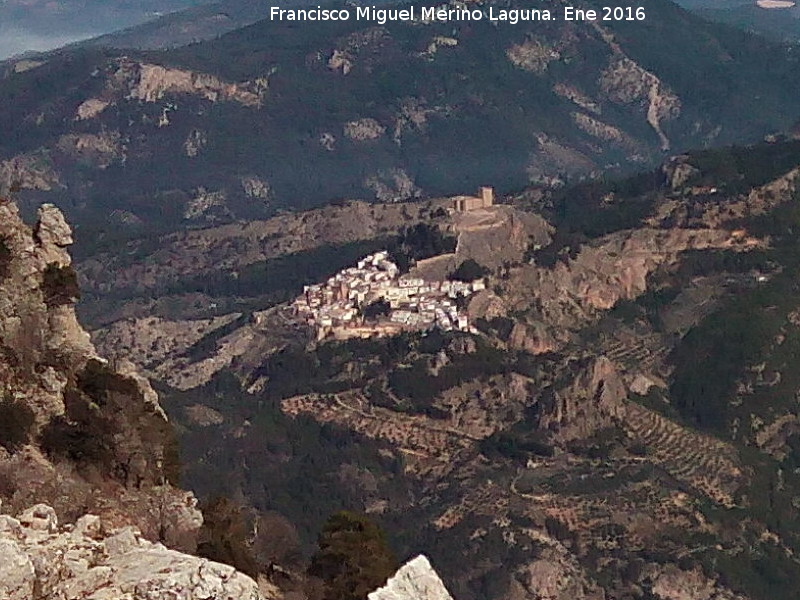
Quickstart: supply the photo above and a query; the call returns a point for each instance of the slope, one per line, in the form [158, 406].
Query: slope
[227, 129]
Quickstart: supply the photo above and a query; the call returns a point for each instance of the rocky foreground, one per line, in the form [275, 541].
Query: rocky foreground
[88, 560]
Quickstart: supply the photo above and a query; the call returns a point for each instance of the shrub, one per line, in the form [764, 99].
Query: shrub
[16, 421]
[469, 270]
[224, 534]
[60, 285]
[82, 435]
[353, 559]
[98, 379]
[5, 258]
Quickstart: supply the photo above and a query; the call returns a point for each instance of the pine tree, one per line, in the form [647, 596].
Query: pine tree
[354, 557]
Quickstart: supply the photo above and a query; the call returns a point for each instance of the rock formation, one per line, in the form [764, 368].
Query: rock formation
[84, 436]
[91, 559]
[416, 580]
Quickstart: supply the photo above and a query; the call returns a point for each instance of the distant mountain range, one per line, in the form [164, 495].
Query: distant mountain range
[277, 116]
[777, 20]
[780, 24]
[37, 25]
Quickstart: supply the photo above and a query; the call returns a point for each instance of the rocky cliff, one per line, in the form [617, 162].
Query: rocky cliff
[93, 560]
[415, 580]
[87, 443]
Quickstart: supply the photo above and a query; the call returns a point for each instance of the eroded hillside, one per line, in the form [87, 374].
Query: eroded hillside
[85, 443]
[622, 424]
[221, 131]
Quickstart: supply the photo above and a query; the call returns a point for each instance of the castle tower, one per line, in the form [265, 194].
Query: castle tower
[487, 196]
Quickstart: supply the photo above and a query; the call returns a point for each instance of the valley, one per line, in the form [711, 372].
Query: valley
[287, 307]
[565, 430]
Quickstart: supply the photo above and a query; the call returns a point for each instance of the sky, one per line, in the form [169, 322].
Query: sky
[27, 25]
[14, 40]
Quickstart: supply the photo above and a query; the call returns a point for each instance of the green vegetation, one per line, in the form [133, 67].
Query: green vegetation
[224, 534]
[99, 405]
[718, 352]
[419, 242]
[736, 169]
[281, 279]
[5, 258]
[16, 423]
[417, 386]
[601, 206]
[378, 308]
[516, 444]
[60, 285]
[469, 270]
[83, 435]
[353, 558]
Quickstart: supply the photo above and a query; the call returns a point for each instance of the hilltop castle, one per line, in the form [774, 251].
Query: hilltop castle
[466, 203]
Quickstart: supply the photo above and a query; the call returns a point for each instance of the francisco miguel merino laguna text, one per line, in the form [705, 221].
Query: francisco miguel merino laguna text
[431, 14]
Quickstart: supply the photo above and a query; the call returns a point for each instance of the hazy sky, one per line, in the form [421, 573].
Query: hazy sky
[14, 40]
[44, 24]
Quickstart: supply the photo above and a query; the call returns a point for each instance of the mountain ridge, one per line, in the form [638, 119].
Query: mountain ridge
[562, 101]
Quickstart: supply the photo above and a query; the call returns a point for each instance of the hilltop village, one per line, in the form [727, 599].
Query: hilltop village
[372, 299]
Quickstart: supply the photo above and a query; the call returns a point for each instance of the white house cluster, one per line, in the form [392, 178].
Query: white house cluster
[337, 307]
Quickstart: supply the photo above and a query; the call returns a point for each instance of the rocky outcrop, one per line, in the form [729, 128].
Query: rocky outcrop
[553, 576]
[207, 207]
[678, 171]
[98, 150]
[152, 82]
[599, 129]
[592, 402]
[672, 583]
[31, 171]
[128, 79]
[607, 271]
[532, 55]
[93, 560]
[625, 82]
[87, 435]
[394, 185]
[416, 580]
[195, 143]
[364, 129]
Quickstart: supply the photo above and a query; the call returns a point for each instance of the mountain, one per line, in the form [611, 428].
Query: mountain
[148, 142]
[775, 20]
[606, 407]
[621, 422]
[204, 22]
[780, 24]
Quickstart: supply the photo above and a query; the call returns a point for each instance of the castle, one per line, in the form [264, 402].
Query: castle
[467, 203]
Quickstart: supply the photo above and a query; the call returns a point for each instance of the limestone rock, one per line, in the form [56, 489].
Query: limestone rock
[40, 517]
[416, 580]
[52, 227]
[88, 563]
[593, 401]
[678, 171]
[38, 326]
[532, 55]
[393, 185]
[33, 171]
[364, 129]
[151, 83]
[17, 576]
